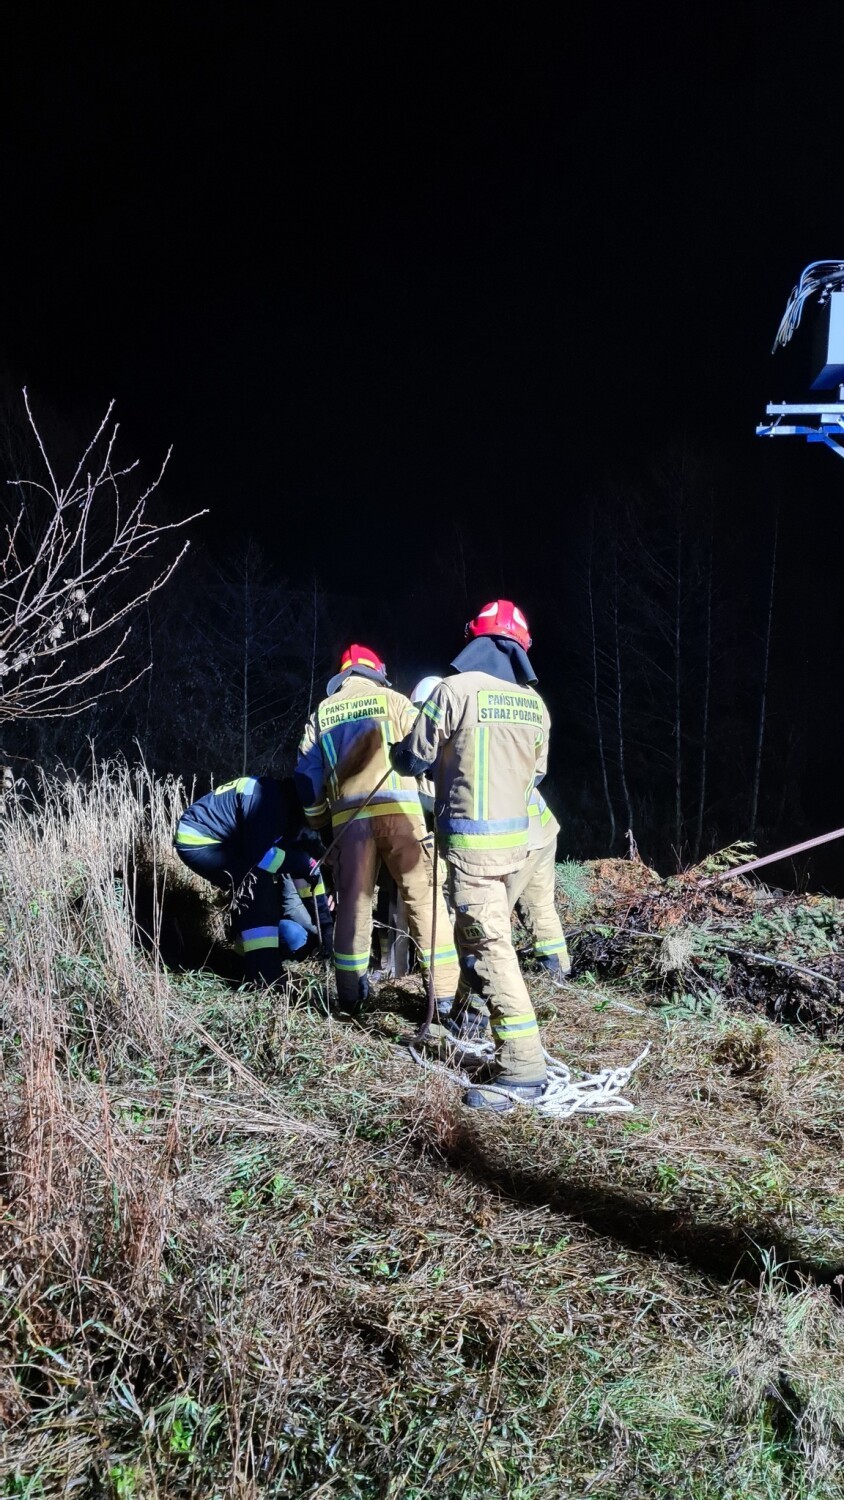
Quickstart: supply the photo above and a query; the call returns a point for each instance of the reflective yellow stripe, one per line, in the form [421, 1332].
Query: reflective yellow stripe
[553, 945]
[187, 837]
[242, 784]
[330, 754]
[540, 810]
[481, 790]
[508, 1026]
[441, 955]
[351, 963]
[486, 840]
[377, 810]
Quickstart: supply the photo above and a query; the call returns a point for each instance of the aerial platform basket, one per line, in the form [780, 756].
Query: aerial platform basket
[821, 347]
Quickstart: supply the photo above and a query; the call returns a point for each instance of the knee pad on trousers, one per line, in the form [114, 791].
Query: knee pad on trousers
[469, 1002]
[469, 974]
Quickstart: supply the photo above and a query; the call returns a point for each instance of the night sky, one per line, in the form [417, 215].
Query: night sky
[375, 270]
[365, 264]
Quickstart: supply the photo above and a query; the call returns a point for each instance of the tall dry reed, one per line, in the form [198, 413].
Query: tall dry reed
[83, 998]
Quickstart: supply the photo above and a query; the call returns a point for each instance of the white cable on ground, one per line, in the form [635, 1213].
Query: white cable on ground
[595, 1093]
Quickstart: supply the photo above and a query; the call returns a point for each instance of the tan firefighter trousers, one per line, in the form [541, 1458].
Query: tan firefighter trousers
[490, 970]
[531, 891]
[406, 848]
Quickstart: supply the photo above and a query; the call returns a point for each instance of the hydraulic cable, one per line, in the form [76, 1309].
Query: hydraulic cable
[823, 276]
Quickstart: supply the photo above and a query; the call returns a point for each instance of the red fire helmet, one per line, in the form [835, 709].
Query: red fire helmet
[502, 617]
[361, 656]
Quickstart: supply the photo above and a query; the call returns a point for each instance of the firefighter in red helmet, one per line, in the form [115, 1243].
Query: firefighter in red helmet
[485, 731]
[501, 618]
[343, 757]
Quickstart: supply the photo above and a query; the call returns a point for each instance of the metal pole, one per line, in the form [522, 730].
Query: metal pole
[432, 990]
[771, 859]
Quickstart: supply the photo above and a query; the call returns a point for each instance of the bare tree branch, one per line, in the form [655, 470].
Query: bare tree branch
[71, 578]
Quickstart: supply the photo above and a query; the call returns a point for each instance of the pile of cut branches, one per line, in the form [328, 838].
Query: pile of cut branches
[688, 944]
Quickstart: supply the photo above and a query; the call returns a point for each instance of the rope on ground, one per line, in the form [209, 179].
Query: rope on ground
[593, 1094]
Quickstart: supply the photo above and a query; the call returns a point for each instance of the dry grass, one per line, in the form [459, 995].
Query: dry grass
[735, 1147]
[248, 1251]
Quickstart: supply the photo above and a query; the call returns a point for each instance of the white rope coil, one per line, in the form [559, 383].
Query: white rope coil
[594, 1093]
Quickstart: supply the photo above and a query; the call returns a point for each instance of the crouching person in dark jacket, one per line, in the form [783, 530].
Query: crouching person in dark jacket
[240, 837]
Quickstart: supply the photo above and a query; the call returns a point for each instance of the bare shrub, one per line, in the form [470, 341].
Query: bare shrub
[81, 557]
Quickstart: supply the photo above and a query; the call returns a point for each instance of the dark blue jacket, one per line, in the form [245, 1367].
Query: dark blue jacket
[248, 815]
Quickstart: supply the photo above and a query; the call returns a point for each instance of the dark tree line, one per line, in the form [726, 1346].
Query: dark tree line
[665, 639]
[688, 720]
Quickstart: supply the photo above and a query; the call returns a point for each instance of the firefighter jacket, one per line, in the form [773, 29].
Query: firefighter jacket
[345, 751]
[542, 825]
[489, 740]
[247, 815]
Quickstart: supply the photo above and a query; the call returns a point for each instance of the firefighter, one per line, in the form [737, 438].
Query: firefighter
[242, 829]
[344, 772]
[530, 890]
[485, 733]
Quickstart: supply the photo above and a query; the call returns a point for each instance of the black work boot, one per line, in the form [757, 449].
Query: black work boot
[555, 970]
[498, 1103]
[351, 993]
[470, 1027]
